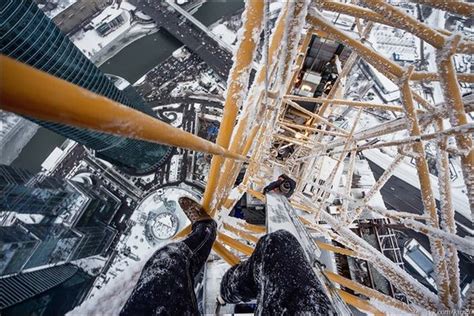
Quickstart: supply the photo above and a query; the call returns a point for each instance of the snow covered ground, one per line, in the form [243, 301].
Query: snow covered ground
[111, 290]
[225, 34]
[99, 48]
[61, 6]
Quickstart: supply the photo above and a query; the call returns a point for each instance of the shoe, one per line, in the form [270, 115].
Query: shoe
[193, 210]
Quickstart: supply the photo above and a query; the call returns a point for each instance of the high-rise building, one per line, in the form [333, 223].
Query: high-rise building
[28, 35]
[24, 192]
[26, 246]
[16, 248]
[49, 291]
[75, 226]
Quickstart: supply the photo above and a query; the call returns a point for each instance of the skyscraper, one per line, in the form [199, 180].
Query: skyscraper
[16, 248]
[48, 291]
[24, 192]
[75, 226]
[28, 35]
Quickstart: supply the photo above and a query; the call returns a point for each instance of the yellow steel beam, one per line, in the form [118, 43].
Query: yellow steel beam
[314, 115]
[410, 24]
[235, 244]
[453, 6]
[367, 14]
[240, 233]
[332, 248]
[359, 303]
[257, 195]
[218, 248]
[359, 288]
[448, 222]
[27, 91]
[433, 76]
[347, 102]
[425, 189]
[253, 228]
[311, 129]
[238, 81]
[225, 254]
[375, 59]
[457, 115]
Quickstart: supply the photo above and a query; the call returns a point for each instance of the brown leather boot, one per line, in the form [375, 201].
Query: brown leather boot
[193, 210]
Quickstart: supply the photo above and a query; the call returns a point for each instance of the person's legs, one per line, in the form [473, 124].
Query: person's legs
[200, 243]
[166, 285]
[278, 276]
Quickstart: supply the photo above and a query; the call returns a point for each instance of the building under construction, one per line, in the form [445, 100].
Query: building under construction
[296, 111]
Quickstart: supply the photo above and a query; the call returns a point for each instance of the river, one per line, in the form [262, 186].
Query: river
[131, 63]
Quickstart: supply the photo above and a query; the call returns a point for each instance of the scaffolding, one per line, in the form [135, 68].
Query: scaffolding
[260, 121]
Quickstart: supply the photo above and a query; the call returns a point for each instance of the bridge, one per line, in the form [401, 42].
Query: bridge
[201, 26]
[190, 32]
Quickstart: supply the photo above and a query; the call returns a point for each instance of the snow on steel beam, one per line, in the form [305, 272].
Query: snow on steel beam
[310, 129]
[225, 254]
[394, 274]
[465, 47]
[235, 244]
[240, 233]
[236, 88]
[412, 25]
[441, 111]
[453, 6]
[371, 293]
[383, 179]
[346, 102]
[34, 93]
[243, 136]
[316, 116]
[457, 113]
[437, 247]
[448, 222]
[455, 131]
[292, 29]
[433, 76]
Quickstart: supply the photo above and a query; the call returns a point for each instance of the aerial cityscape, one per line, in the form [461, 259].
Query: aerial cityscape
[82, 209]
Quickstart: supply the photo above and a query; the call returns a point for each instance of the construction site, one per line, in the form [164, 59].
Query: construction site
[383, 206]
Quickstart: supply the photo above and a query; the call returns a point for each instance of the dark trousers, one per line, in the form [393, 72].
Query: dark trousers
[166, 285]
[279, 277]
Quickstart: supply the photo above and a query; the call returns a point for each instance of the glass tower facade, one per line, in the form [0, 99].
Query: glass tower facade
[75, 225]
[48, 291]
[26, 246]
[24, 192]
[16, 248]
[28, 35]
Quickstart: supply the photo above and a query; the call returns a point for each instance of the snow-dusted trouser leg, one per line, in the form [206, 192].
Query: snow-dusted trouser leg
[200, 242]
[279, 277]
[166, 285]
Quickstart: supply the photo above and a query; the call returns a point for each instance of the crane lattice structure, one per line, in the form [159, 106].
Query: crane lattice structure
[265, 117]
